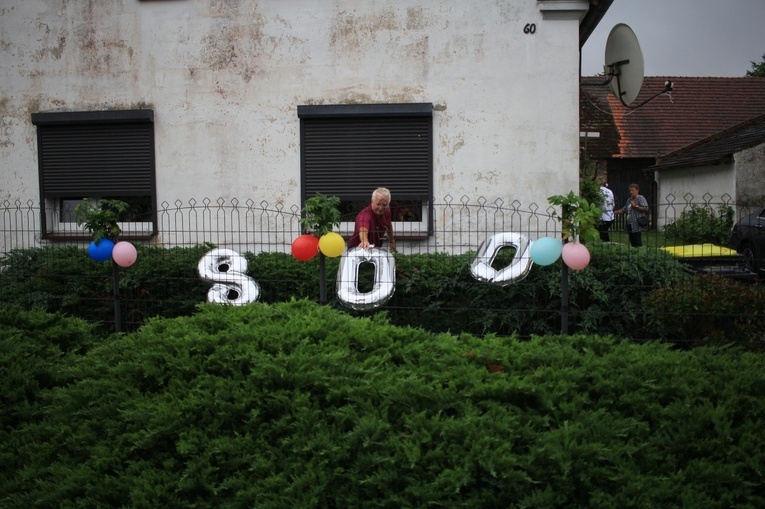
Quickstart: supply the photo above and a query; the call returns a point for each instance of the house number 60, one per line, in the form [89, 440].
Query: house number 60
[530, 28]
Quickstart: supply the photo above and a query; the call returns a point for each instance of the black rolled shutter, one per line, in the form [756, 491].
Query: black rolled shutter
[350, 150]
[96, 153]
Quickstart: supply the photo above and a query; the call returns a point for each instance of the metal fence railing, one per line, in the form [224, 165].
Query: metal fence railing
[456, 224]
[450, 226]
[453, 225]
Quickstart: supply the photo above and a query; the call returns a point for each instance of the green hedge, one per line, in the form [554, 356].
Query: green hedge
[434, 291]
[702, 224]
[710, 309]
[297, 405]
[36, 351]
[33, 345]
[164, 282]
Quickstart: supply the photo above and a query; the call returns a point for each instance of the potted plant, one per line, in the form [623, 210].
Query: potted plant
[320, 216]
[101, 218]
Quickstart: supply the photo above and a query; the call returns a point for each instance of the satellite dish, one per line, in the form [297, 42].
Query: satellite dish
[624, 63]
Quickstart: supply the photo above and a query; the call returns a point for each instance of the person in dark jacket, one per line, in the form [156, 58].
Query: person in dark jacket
[635, 208]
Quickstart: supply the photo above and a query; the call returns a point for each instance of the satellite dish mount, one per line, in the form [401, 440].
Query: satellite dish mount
[624, 66]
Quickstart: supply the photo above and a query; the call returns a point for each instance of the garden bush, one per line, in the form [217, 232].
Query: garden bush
[298, 405]
[164, 282]
[608, 296]
[701, 225]
[33, 342]
[605, 298]
[35, 348]
[434, 291]
[710, 309]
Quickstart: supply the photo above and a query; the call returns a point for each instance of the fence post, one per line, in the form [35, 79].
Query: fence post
[117, 300]
[322, 278]
[564, 299]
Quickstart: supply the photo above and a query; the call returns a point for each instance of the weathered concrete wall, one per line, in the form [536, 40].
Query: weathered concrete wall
[750, 181]
[679, 189]
[225, 77]
[738, 183]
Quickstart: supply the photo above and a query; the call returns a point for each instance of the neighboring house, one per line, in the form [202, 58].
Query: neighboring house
[169, 102]
[625, 142]
[728, 167]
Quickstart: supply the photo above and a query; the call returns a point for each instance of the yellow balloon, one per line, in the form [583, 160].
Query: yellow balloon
[332, 244]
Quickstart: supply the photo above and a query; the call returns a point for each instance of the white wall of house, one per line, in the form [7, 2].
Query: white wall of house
[225, 78]
[739, 183]
[750, 177]
[681, 188]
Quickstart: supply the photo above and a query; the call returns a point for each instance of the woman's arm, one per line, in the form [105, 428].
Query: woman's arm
[641, 204]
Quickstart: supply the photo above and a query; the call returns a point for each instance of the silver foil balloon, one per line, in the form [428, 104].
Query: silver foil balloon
[480, 266]
[227, 270]
[348, 278]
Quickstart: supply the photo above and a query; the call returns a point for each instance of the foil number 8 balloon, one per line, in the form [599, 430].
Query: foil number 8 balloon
[227, 270]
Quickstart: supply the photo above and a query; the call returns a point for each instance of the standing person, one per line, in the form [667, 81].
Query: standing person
[373, 222]
[635, 207]
[607, 212]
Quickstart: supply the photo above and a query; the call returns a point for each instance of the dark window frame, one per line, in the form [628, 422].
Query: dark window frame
[348, 150]
[96, 154]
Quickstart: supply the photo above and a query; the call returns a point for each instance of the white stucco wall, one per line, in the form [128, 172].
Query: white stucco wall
[225, 77]
[750, 177]
[680, 189]
[739, 183]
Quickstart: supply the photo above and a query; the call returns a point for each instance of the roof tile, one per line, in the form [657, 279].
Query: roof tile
[697, 108]
[717, 148]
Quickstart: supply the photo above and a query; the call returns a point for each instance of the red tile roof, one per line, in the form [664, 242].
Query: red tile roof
[697, 108]
[718, 148]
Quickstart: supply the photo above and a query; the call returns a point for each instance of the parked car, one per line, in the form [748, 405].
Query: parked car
[748, 239]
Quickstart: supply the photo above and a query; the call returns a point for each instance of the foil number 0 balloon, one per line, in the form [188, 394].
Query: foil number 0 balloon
[348, 278]
[227, 270]
[482, 270]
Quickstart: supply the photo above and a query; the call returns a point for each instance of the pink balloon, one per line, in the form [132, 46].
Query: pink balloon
[575, 255]
[124, 254]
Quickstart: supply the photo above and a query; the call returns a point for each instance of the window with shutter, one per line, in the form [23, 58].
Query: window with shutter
[95, 155]
[350, 150]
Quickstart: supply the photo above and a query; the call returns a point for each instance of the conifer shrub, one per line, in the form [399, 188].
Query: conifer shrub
[35, 349]
[64, 279]
[709, 308]
[702, 224]
[55, 279]
[299, 405]
[433, 291]
[281, 277]
[163, 282]
[608, 297]
[33, 342]
[605, 298]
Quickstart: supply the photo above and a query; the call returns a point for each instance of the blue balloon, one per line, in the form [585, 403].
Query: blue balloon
[546, 251]
[102, 251]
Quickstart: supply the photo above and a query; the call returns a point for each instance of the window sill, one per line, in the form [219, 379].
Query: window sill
[399, 236]
[69, 237]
